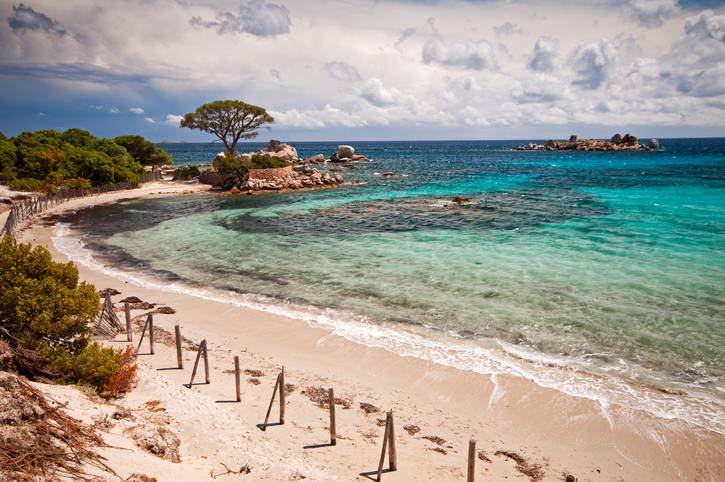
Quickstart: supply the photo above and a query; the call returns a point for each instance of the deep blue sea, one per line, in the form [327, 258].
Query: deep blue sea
[610, 262]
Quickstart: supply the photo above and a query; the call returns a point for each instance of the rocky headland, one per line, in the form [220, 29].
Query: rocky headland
[297, 174]
[618, 142]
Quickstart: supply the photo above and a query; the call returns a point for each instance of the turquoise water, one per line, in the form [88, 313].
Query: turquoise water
[615, 260]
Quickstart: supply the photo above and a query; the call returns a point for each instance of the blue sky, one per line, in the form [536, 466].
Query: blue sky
[365, 69]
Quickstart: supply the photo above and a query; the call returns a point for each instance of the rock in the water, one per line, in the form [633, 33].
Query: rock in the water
[345, 151]
[654, 144]
[573, 138]
[319, 158]
[280, 149]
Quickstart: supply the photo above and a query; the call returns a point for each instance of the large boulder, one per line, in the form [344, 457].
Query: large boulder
[345, 151]
[211, 177]
[280, 149]
[654, 144]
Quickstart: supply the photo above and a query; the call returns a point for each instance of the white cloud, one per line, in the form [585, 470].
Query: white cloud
[149, 120]
[173, 119]
[342, 71]
[255, 17]
[652, 13]
[136, 110]
[593, 64]
[405, 35]
[544, 54]
[468, 55]
[539, 89]
[507, 28]
[26, 18]
[114, 110]
[378, 95]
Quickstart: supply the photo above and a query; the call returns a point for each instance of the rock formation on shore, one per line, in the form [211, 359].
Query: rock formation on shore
[346, 153]
[618, 142]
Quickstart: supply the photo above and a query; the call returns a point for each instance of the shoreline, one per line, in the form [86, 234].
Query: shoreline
[501, 411]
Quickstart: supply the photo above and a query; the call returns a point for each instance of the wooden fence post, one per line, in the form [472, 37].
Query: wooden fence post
[389, 446]
[471, 461]
[392, 453]
[206, 363]
[179, 359]
[333, 428]
[269, 409]
[282, 397]
[151, 333]
[129, 330]
[237, 379]
[143, 333]
[202, 346]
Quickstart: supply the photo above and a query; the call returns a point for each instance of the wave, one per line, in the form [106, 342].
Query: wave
[493, 358]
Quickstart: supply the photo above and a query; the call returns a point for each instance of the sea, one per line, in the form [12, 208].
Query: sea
[601, 274]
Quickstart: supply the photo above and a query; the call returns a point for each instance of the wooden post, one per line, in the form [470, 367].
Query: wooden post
[151, 333]
[282, 397]
[333, 431]
[129, 329]
[179, 359]
[471, 461]
[237, 378]
[269, 409]
[206, 362]
[143, 332]
[385, 446]
[196, 362]
[392, 453]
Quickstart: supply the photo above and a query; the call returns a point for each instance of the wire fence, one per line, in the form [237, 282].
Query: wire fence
[38, 204]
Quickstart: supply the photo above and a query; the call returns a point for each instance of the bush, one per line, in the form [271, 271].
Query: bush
[27, 184]
[185, 173]
[266, 161]
[44, 308]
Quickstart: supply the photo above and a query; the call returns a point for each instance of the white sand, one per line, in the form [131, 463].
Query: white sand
[562, 433]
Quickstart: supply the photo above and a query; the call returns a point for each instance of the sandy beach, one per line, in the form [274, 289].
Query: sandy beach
[523, 431]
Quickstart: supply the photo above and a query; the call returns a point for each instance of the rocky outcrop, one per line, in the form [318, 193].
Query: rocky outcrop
[346, 153]
[280, 149]
[299, 177]
[618, 142]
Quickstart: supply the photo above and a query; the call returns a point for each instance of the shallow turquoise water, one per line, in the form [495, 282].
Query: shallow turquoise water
[617, 259]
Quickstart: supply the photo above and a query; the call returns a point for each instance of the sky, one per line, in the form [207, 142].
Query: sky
[368, 69]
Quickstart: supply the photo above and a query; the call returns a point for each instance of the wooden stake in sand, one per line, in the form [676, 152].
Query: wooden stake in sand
[129, 331]
[389, 444]
[282, 397]
[202, 349]
[333, 431]
[179, 359]
[237, 378]
[150, 326]
[269, 409]
[471, 461]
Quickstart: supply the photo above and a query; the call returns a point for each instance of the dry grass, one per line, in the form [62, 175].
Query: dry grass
[38, 441]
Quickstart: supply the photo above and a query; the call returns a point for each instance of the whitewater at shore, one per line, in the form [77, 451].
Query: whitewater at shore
[506, 399]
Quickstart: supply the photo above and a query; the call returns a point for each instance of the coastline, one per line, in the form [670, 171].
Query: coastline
[502, 412]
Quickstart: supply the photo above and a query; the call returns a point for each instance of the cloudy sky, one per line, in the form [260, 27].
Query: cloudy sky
[368, 69]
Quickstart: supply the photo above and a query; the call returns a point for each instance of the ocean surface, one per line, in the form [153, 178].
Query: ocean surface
[611, 263]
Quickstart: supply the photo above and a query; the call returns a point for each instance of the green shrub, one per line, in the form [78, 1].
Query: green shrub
[26, 184]
[44, 308]
[185, 173]
[266, 161]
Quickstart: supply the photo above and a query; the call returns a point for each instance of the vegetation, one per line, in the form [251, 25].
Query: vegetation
[50, 160]
[265, 161]
[185, 173]
[44, 309]
[229, 121]
[143, 151]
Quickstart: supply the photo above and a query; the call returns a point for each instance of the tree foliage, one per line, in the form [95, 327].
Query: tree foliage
[229, 121]
[143, 151]
[44, 308]
[55, 158]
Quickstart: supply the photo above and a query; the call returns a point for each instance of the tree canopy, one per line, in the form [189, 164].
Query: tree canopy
[51, 159]
[44, 309]
[229, 121]
[143, 151]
